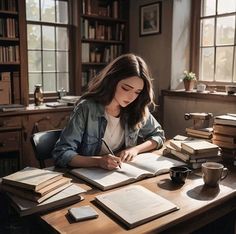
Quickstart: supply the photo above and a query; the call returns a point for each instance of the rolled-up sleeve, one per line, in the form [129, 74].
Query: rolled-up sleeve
[152, 130]
[70, 140]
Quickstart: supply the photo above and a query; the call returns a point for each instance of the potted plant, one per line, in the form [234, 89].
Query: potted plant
[189, 80]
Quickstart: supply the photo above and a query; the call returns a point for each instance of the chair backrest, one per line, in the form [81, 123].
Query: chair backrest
[43, 143]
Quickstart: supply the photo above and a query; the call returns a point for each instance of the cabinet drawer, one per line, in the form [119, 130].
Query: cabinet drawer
[10, 122]
[10, 141]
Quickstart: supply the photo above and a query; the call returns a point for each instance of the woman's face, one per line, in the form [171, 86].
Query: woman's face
[127, 90]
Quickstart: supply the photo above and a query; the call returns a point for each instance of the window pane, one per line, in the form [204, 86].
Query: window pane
[33, 36]
[34, 61]
[207, 64]
[224, 62]
[62, 12]
[226, 6]
[62, 81]
[34, 78]
[48, 10]
[62, 61]
[48, 60]
[62, 38]
[48, 37]
[49, 82]
[225, 30]
[207, 38]
[208, 7]
[32, 10]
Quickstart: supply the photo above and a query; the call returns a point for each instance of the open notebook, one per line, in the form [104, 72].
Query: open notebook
[143, 166]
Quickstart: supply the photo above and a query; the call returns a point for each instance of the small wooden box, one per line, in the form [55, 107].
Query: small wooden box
[5, 92]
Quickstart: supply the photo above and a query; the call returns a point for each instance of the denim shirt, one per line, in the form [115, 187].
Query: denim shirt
[86, 127]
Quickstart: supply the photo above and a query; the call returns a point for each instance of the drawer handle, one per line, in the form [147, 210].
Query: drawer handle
[2, 144]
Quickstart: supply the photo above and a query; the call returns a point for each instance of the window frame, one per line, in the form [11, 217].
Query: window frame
[52, 96]
[195, 46]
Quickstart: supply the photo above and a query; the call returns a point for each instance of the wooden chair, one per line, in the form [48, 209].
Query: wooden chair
[43, 144]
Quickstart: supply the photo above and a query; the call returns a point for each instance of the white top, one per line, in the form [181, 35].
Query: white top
[114, 134]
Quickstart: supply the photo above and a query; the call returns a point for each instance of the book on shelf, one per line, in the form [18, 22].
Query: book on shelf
[12, 107]
[199, 146]
[42, 194]
[135, 205]
[56, 104]
[69, 99]
[228, 119]
[65, 197]
[32, 178]
[224, 129]
[143, 166]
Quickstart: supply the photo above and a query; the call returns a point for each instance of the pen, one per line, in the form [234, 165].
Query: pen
[110, 150]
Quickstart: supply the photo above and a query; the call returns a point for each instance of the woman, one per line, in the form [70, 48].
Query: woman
[114, 110]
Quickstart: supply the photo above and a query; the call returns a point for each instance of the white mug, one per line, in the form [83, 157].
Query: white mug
[201, 87]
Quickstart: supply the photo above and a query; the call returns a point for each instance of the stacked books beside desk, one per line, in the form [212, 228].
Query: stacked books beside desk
[205, 133]
[194, 151]
[224, 135]
[34, 190]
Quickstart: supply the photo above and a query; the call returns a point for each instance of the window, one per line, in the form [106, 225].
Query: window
[48, 44]
[217, 54]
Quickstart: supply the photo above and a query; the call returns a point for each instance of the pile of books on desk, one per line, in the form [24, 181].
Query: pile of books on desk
[34, 190]
[194, 151]
[224, 135]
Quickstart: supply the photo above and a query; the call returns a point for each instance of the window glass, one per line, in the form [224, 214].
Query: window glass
[32, 10]
[34, 61]
[48, 11]
[208, 29]
[208, 7]
[49, 81]
[62, 38]
[207, 64]
[34, 78]
[34, 36]
[48, 36]
[226, 6]
[62, 13]
[62, 81]
[62, 61]
[49, 61]
[225, 30]
[224, 61]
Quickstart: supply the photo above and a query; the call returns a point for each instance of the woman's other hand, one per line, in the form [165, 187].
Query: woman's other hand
[127, 155]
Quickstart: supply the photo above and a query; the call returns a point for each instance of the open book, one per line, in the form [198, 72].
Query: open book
[144, 165]
[135, 205]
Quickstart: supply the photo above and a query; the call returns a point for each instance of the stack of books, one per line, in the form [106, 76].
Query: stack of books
[224, 134]
[34, 190]
[69, 100]
[205, 133]
[194, 152]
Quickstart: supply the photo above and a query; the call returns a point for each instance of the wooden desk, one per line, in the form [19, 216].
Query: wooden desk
[198, 206]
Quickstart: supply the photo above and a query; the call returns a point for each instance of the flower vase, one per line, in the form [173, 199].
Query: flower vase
[189, 85]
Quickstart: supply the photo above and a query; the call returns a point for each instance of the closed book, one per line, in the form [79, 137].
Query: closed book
[224, 144]
[224, 129]
[199, 146]
[32, 178]
[225, 138]
[67, 196]
[134, 205]
[225, 119]
[37, 196]
[200, 132]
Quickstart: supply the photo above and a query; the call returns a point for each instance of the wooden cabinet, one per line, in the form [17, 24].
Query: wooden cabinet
[16, 129]
[103, 36]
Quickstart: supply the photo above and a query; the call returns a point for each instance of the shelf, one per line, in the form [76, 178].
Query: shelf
[103, 18]
[8, 13]
[102, 41]
[9, 63]
[8, 39]
[94, 64]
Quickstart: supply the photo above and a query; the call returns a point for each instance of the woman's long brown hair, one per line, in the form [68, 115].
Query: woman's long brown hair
[102, 87]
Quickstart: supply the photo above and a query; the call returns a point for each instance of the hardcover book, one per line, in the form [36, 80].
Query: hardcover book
[200, 146]
[143, 166]
[135, 205]
[67, 196]
[32, 178]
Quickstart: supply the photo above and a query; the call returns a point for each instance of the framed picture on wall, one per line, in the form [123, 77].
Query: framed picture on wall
[150, 19]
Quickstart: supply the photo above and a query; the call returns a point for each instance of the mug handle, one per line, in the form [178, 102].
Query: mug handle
[224, 173]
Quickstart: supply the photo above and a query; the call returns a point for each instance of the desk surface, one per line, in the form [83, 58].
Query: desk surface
[193, 199]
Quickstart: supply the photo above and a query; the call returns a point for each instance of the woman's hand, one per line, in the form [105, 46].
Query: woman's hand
[109, 162]
[127, 155]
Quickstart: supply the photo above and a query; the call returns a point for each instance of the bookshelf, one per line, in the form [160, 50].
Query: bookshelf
[103, 34]
[12, 51]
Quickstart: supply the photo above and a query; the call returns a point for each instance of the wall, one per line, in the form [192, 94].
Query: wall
[155, 49]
